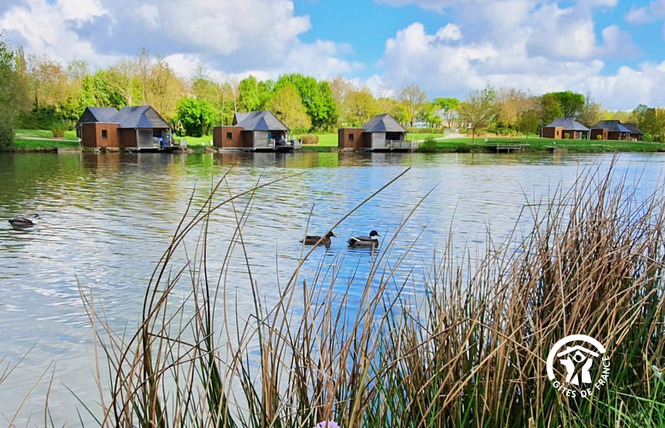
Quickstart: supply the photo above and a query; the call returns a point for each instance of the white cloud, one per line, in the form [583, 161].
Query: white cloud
[150, 15]
[654, 11]
[538, 47]
[449, 32]
[263, 36]
[45, 28]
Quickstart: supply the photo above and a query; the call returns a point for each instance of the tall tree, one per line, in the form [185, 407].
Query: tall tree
[203, 88]
[317, 97]
[165, 88]
[479, 110]
[143, 65]
[571, 103]
[360, 107]
[288, 107]
[12, 93]
[550, 107]
[394, 108]
[449, 108]
[195, 115]
[591, 113]
[651, 121]
[122, 77]
[341, 89]
[48, 80]
[414, 99]
[249, 95]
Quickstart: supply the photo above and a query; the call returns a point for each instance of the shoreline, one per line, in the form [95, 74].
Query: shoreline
[462, 148]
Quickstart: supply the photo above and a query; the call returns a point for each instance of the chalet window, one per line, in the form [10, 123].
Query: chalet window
[229, 136]
[105, 134]
[351, 137]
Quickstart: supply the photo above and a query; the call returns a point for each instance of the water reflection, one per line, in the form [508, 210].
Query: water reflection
[107, 218]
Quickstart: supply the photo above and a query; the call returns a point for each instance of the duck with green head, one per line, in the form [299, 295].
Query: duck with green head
[365, 241]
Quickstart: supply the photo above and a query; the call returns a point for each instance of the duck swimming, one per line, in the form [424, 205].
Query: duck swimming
[24, 222]
[365, 241]
[314, 240]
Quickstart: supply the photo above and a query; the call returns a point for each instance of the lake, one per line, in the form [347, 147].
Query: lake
[107, 219]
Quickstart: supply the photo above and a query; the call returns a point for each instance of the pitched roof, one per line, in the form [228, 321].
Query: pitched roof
[129, 117]
[568, 124]
[633, 128]
[140, 117]
[99, 115]
[383, 123]
[239, 117]
[611, 126]
[260, 121]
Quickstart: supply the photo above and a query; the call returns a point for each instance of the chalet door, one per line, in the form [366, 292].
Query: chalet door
[145, 140]
[261, 139]
[378, 140]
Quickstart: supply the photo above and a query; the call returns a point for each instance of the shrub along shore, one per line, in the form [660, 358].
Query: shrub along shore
[42, 141]
[469, 350]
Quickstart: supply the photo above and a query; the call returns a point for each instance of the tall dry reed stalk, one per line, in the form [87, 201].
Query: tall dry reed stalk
[468, 350]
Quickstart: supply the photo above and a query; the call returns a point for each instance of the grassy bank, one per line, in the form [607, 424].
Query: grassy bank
[468, 350]
[38, 140]
[436, 143]
[537, 144]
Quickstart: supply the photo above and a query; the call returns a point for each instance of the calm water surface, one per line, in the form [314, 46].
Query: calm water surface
[108, 218]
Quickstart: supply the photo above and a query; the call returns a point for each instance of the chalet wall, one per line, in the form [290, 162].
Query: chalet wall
[99, 135]
[128, 137]
[552, 132]
[352, 138]
[227, 136]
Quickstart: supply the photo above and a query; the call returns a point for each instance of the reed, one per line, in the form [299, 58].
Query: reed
[468, 350]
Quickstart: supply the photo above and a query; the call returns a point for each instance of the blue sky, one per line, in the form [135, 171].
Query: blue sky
[610, 49]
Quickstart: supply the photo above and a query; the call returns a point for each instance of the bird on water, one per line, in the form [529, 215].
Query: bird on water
[318, 240]
[365, 241]
[24, 222]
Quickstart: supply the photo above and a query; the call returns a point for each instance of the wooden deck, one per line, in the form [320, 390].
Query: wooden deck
[509, 148]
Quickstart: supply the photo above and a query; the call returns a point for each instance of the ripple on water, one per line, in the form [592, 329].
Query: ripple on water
[109, 218]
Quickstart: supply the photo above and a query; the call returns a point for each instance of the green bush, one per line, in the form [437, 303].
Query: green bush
[58, 128]
[46, 117]
[310, 139]
[429, 145]
[6, 135]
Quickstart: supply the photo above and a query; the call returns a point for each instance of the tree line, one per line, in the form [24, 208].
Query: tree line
[38, 92]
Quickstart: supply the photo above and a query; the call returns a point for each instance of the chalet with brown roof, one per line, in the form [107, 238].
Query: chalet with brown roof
[382, 132]
[258, 130]
[565, 128]
[133, 128]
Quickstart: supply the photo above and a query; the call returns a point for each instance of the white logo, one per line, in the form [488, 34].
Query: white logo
[578, 363]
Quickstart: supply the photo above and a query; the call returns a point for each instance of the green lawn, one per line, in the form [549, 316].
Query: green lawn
[42, 133]
[29, 144]
[330, 139]
[536, 144]
[36, 139]
[28, 139]
[196, 141]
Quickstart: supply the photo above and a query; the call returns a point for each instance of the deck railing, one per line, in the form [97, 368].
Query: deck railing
[396, 145]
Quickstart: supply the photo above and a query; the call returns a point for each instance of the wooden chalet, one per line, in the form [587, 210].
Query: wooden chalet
[635, 133]
[565, 128]
[613, 130]
[382, 132]
[132, 128]
[258, 130]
